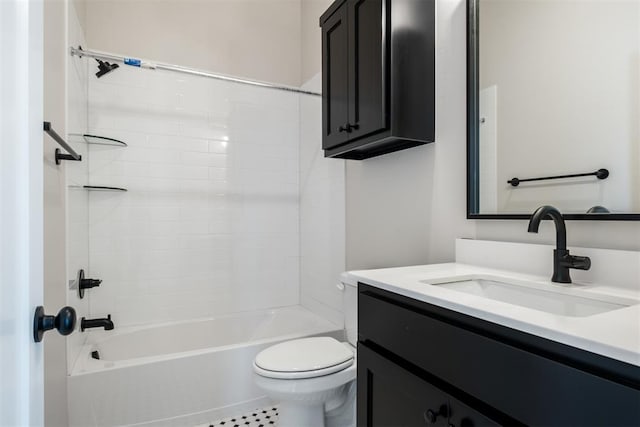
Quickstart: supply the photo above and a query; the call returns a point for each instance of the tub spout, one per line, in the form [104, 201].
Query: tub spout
[107, 324]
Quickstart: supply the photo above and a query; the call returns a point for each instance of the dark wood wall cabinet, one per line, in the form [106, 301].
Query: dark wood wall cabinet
[422, 365]
[378, 76]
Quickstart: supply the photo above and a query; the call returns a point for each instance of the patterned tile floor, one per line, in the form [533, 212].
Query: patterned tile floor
[263, 417]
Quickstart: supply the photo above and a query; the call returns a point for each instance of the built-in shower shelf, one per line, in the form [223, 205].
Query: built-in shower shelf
[98, 188]
[102, 188]
[101, 140]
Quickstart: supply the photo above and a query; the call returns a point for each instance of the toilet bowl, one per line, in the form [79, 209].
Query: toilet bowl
[313, 379]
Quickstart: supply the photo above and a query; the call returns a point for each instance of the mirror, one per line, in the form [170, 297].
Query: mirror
[554, 108]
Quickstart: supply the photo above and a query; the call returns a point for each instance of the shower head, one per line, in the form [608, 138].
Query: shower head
[104, 68]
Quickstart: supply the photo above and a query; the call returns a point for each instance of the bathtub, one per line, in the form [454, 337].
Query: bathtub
[181, 373]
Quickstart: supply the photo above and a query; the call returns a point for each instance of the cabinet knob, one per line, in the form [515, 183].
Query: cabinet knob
[345, 128]
[430, 416]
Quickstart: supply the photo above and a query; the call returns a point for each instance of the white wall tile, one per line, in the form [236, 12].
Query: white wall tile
[322, 215]
[76, 175]
[210, 223]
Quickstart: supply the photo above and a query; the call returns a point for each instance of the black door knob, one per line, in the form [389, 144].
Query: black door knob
[64, 322]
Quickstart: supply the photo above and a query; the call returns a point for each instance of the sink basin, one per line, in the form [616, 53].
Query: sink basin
[550, 301]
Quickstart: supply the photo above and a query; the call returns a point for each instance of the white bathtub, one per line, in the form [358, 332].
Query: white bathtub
[180, 374]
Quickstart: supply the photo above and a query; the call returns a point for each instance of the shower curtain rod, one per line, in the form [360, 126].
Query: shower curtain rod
[135, 62]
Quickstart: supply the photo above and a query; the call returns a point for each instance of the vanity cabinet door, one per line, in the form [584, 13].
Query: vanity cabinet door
[335, 111]
[388, 395]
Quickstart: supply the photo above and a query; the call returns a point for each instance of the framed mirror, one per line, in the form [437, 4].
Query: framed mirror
[553, 111]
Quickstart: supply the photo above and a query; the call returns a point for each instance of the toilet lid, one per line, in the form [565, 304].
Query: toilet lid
[304, 358]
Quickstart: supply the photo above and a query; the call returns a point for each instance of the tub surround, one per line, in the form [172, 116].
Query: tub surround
[615, 277]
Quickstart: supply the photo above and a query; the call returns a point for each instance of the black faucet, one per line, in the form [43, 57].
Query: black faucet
[107, 324]
[562, 261]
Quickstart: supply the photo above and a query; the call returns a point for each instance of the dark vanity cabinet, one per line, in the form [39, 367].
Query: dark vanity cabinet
[378, 76]
[422, 365]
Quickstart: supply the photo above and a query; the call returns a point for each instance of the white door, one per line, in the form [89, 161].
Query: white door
[21, 235]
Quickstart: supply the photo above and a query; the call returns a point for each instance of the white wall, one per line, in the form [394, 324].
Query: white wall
[568, 100]
[210, 222]
[311, 46]
[259, 39]
[407, 207]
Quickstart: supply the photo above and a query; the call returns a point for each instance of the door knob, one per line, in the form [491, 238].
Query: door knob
[64, 322]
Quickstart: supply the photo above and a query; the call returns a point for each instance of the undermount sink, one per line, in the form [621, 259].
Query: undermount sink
[550, 301]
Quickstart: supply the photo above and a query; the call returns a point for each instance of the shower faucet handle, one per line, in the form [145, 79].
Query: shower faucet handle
[89, 283]
[85, 283]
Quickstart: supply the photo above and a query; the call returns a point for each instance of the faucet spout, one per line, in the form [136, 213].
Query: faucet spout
[553, 213]
[562, 260]
[105, 323]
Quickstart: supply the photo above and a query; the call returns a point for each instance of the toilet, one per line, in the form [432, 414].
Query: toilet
[314, 379]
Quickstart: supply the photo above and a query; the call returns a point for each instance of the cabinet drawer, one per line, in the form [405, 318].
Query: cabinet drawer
[533, 389]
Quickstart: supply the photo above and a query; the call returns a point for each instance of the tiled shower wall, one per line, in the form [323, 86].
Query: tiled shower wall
[210, 222]
[77, 174]
[322, 214]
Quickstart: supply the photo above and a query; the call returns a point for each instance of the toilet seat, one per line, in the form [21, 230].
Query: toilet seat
[303, 358]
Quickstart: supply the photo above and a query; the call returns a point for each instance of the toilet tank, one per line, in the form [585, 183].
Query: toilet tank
[350, 308]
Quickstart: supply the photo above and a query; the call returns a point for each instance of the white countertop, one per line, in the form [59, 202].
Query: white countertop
[615, 334]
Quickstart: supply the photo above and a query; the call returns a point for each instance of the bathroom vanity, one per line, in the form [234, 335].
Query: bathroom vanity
[447, 345]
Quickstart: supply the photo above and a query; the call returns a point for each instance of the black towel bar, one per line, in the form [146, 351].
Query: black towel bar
[59, 155]
[600, 174]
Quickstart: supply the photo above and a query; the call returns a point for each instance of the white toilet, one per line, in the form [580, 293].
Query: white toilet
[313, 379]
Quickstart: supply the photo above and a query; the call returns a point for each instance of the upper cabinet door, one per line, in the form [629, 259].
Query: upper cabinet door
[367, 47]
[378, 76]
[335, 87]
